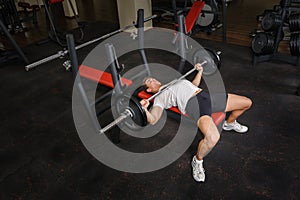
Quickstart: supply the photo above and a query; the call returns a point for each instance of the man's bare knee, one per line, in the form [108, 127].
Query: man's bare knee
[248, 103]
[212, 138]
[204, 123]
[209, 130]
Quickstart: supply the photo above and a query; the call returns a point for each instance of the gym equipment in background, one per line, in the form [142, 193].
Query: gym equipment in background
[7, 55]
[29, 16]
[265, 44]
[211, 17]
[183, 47]
[55, 32]
[9, 16]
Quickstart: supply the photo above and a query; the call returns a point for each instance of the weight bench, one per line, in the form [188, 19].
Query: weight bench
[192, 16]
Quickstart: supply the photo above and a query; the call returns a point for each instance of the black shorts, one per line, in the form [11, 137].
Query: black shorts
[204, 104]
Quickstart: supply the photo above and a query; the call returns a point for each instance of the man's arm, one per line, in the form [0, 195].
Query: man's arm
[197, 79]
[154, 115]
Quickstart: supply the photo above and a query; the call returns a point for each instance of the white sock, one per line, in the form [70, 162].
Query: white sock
[198, 161]
[230, 123]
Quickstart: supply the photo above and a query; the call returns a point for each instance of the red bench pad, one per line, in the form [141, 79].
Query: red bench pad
[55, 1]
[101, 77]
[193, 15]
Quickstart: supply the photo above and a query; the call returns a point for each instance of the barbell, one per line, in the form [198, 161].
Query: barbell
[135, 110]
[63, 53]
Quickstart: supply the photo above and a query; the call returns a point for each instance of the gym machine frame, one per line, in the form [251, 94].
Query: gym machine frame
[116, 78]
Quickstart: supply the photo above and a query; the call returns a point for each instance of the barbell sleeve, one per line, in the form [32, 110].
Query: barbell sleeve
[47, 59]
[64, 52]
[122, 117]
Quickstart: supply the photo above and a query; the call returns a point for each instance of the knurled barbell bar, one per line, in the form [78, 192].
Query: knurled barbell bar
[135, 109]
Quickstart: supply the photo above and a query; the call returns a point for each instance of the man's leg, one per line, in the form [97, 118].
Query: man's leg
[211, 137]
[237, 105]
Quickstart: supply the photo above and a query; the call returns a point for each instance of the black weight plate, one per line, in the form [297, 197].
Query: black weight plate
[202, 55]
[297, 47]
[138, 117]
[263, 43]
[293, 44]
[294, 22]
[259, 42]
[268, 21]
[215, 56]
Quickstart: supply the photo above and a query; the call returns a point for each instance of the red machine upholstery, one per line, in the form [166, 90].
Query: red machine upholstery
[55, 1]
[101, 77]
[193, 15]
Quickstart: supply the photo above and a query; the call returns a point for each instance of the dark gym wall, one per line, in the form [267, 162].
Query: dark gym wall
[93, 10]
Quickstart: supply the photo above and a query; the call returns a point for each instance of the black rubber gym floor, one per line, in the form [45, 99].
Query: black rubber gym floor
[42, 156]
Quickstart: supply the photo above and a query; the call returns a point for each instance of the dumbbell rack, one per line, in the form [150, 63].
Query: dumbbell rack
[276, 56]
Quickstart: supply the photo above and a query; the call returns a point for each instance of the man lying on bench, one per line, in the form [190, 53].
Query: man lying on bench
[181, 95]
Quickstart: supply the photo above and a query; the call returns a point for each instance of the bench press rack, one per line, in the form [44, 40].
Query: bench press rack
[111, 80]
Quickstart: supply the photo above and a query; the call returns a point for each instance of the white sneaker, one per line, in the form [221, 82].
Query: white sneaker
[198, 170]
[234, 126]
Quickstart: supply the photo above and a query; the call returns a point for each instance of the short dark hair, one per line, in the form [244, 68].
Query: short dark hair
[144, 79]
[144, 87]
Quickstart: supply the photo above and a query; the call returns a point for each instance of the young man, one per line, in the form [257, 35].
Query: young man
[180, 94]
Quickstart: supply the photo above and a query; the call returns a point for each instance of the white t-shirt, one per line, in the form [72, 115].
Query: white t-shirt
[176, 95]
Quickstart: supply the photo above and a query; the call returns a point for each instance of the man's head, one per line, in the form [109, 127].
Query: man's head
[152, 85]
